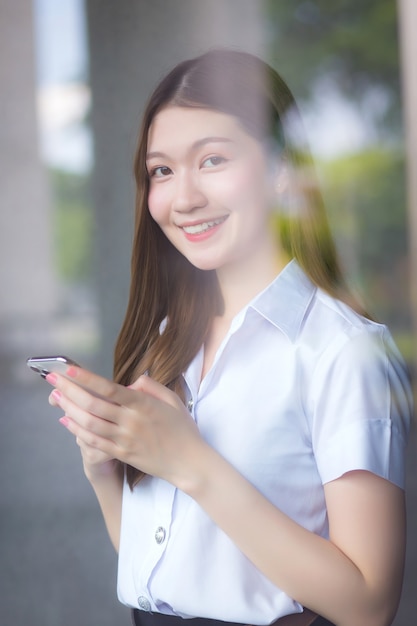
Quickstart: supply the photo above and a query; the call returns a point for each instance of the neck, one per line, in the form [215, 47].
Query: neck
[240, 283]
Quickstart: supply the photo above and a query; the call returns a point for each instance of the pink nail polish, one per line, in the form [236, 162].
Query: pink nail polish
[57, 395]
[64, 421]
[51, 378]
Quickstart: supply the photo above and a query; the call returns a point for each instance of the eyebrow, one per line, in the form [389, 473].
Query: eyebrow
[197, 144]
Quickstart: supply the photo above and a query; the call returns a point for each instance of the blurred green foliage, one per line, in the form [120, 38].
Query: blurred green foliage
[353, 46]
[354, 42]
[73, 225]
[365, 199]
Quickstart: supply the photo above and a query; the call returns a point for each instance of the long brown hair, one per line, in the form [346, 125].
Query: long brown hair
[164, 285]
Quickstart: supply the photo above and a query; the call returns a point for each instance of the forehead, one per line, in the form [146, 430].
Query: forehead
[181, 125]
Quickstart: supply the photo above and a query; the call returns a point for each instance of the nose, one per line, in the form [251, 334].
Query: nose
[188, 194]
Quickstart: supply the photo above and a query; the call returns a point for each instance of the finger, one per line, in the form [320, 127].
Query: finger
[91, 455]
[51, 400]
[88, 439]
[137, 385]
[93, 383]
[91, 418]
[67, 389]
[151, 387]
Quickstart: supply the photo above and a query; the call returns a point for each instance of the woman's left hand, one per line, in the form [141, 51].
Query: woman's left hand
[144, 425]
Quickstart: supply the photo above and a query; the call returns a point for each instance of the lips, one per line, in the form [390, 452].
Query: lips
[202, 227]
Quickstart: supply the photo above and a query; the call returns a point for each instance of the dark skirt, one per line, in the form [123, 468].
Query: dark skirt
[144, 618]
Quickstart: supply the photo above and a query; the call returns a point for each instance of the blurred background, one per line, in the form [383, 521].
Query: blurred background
[74, 77]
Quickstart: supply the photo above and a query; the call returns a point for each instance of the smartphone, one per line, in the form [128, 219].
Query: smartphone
[44, 365]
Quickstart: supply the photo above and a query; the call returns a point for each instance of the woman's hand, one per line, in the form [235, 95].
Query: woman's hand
[144, 425]
[97, 464]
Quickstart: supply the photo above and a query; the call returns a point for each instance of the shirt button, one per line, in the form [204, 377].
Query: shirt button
[144, 603]
[160, 534]
[190, 405]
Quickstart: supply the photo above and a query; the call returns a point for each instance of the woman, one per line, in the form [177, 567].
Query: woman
[249, 458]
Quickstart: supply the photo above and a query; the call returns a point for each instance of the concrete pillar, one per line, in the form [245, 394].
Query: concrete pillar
[27, 294]
[408, 39]
[132, 45]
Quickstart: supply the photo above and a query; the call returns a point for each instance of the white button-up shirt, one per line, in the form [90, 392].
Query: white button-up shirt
[302, 390]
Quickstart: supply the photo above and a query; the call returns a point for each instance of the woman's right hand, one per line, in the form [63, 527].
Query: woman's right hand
[97, 464]
[105, 475]
[144, 425]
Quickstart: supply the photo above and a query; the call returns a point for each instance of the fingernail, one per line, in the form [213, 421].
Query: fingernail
[51, 378]
[71, 371]
[64, 421]
[57, 395]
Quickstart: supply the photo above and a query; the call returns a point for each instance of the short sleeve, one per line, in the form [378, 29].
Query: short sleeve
[361, 406]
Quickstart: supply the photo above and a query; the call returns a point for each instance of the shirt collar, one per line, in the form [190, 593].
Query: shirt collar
[285, 301]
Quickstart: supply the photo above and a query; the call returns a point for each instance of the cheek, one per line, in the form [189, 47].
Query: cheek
[232, 187]
[245, 189]
[158, 205]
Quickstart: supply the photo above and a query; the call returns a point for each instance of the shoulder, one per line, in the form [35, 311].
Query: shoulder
[345, 340]
[353, 356]
[358, 395]
[337, 333]
[335, 323]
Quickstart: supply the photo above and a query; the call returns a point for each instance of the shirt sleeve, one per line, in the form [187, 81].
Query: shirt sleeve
[361, 407]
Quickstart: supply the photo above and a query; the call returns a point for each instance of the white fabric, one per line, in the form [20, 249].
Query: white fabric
[301, 391]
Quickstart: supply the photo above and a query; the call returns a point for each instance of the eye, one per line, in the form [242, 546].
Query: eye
[213, 161]
[160, 171]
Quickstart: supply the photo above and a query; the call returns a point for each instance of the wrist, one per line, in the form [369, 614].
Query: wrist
[98, 472]
[201, 470]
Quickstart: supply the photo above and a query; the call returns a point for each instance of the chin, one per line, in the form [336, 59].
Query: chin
[204, 265]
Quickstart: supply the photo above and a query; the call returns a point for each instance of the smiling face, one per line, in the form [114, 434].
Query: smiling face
[210, 187]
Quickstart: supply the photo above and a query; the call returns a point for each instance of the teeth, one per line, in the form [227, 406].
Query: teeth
[201, 228]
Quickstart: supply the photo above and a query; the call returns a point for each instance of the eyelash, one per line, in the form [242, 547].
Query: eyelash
[215, 157]
[154, 171]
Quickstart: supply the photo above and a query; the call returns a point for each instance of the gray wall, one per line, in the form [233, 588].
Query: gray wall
[27, 283]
